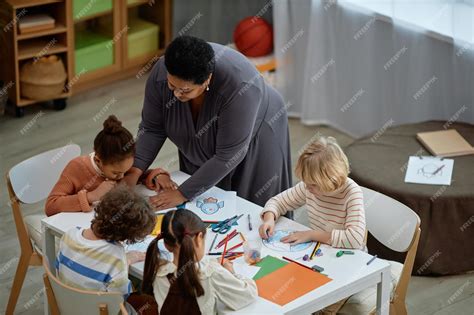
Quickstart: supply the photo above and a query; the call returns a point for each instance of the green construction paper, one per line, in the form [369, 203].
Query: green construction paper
[268, 265]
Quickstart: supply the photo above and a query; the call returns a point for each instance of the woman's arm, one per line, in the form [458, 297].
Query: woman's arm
[151, 132]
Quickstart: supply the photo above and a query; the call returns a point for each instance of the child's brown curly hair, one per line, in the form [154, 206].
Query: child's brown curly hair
[123, 215]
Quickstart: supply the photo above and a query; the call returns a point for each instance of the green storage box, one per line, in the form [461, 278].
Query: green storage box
[84, 8]
[93, 51]
[142, 38]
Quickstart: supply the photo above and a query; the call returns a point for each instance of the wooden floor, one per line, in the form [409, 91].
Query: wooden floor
[42, 129]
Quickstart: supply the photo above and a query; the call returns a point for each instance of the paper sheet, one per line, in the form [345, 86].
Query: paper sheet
[245, 270]
[214, 205]
[429, 170]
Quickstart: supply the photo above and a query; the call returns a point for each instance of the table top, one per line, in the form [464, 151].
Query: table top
[379, 161]
[350, 273]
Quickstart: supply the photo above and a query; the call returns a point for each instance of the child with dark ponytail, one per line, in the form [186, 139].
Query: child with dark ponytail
[87, 178]
[191, 283]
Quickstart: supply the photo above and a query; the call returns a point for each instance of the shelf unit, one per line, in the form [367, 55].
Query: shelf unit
[16, 48]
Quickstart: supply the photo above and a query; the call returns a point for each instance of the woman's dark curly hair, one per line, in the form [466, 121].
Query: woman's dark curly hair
[123, 215]
[190, 59]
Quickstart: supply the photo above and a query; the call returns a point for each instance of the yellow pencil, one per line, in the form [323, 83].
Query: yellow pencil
[316, 247]
[242, 236]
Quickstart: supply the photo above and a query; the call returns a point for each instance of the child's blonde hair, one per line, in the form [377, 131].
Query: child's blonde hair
[324, 164]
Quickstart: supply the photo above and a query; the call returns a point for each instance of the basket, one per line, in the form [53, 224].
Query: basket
[43, 79]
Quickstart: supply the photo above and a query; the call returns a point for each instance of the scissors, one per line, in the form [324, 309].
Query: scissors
[224, 226]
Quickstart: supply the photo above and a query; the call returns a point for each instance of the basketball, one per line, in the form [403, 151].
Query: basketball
[253, 37]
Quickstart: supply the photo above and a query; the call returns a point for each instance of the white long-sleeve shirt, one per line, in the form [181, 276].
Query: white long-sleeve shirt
[340, 213]
[219, 284]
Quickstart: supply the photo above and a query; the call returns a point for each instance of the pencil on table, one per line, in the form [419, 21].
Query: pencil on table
[225, 249]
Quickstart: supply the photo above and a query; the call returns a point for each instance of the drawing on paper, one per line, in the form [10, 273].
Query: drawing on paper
[209, 205]
[274, 242]
[429, 170]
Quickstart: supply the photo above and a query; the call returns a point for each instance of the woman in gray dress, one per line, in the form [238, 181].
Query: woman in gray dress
[230, 127]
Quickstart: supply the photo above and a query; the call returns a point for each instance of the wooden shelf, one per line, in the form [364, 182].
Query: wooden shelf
[35, 46]
[30, 3]
[137, 3]
[93, 16]
[59, 28]
[27, 101]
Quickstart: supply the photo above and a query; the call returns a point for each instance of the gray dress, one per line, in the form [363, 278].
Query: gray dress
[240, 140]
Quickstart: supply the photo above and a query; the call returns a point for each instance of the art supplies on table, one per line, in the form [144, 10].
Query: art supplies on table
[274, 242]
[268, 265]
[245, 270]
[296, 279]
[429, 170]
[157, 228]
[371, 260]
[214, 205]
[250, 222]
[316, 248]
[143, 246]
[252, 251]
[344, 252]
[445, 143]
[224, 226]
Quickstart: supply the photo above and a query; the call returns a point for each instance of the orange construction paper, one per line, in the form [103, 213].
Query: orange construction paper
[289, 283]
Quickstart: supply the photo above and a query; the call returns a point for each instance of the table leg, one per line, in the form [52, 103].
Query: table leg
[49, 253]
[383, 293]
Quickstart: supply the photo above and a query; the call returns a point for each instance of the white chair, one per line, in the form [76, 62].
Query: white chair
[30, 182]
[397, 227]
[66, 300]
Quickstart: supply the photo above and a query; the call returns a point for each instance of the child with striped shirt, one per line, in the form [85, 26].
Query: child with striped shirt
[334, 202]
[95, 258]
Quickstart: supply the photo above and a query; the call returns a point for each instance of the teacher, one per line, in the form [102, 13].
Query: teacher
[230, 127]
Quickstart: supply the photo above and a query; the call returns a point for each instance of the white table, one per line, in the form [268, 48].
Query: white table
[350, 273]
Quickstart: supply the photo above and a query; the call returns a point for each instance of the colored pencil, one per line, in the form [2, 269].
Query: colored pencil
[236, 256]
[291, 260]
[220, 253]
[316, 247]
[225, 249]
[227, 238]
[371, 260]
[243, 238]
[236, 246]
[213, 241]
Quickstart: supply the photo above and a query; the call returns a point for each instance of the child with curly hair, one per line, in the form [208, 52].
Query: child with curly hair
[94, 258]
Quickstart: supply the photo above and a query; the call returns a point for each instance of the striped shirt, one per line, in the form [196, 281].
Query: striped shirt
[340, 213]
[95, 265]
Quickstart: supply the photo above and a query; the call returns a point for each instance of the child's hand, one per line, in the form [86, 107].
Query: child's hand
[298, 237]
[266, 229]
[135, 256]
[101, 190]
[227, 265]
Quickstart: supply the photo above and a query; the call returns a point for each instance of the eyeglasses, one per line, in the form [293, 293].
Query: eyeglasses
[182, 91]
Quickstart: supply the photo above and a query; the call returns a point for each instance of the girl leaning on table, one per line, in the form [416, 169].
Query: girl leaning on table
[191, 283]
[86, 179]
[333, 201]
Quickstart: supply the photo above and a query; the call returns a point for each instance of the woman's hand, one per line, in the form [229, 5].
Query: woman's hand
[268, 225]
[298, 237]
[167, 199]
[158, 180]
[135, 256]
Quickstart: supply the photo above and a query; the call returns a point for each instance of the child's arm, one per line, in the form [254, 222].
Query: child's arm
[232, 290]
[285, 201]
[64, 197]
[352, 236]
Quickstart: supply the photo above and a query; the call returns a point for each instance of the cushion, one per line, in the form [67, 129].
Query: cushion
[33, 225]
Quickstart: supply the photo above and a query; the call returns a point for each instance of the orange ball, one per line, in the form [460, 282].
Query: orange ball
[253, 37]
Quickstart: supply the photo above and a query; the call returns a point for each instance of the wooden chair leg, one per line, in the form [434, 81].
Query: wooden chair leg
[20, 274]
[398, 307]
